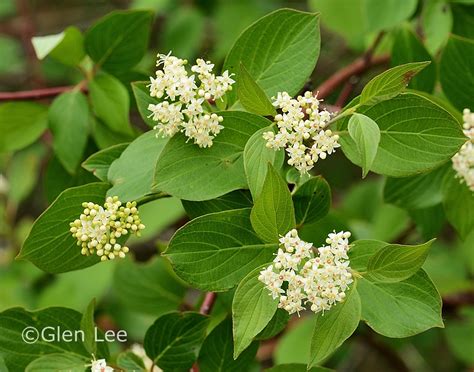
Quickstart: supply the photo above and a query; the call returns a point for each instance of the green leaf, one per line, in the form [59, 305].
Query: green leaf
[459, 335]
[234, 200]
[416, 192]
[441, 100]
[358, 20]
[174, 340]
[216, 354]
[59, 362]
[361, 251]
[467, 251]
[21, 124]
[88, 327]
[158, 215]
[448, 269]
[437, 21]
[99, 163]
[43, 45]
[296, 367]
[275, 326]
[252, 309]
[366, 134]
[57, 179]
[91, 282]
[23, 172]
[455, 72]
[184, 32]
[130, 362]
[256, 159]
[334, 327]
[384, 15]
[251, 96]
[118, 41]
[69, 121]
[149, 288]
[458, 204]
[293, 346]
[50, 245]
[408, 48]
[312, 200]
[13, 58]
[188, 172]
[143, 99]
[429, 221]
[3, 366]
[227, 27]
[287, 43]
[344, 17]
[390, 83]
[66, 47]
[273, 213]
[463, 19]
[401, 309]
[394, 262]
[110, 102]
[132, 173]
[17, 353]
[214, 252]
[104, 137]
[416, 135]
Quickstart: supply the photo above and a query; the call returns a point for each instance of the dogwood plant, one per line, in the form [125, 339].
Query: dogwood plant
[226, 172]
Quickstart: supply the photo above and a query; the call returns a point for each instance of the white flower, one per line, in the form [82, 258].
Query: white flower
[100, 366]
[98, 228]
[185, 96]
[139, 351]
[301, 130]
[463, 161]
[318, 279]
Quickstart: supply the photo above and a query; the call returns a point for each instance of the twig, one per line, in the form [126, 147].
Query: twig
[346, 91]
[208, 303]
[357, 67]
[206, 308]
[456, 300]
[352, 71]
[39, 93]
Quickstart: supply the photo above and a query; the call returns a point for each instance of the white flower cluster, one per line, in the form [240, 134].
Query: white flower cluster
[185, 98]
[299, 276]
[98, 228]
[302, 130]
[100, 366]
[463, 161]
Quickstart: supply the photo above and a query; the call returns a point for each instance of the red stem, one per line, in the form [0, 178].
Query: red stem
[357, 67]
[351, 73]
[37, 93]
[208, 303]
[206, 308]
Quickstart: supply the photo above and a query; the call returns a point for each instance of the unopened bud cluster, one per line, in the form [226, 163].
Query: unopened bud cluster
[463, 161]
[185, 98]
[299, 277]
[302, 130]
[98, 228]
